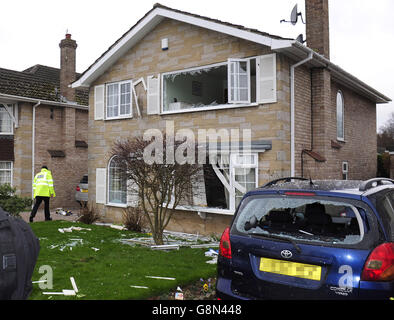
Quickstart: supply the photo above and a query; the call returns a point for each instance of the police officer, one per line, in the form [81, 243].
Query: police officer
[43, 190]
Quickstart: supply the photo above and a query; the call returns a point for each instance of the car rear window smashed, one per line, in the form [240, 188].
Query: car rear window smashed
[307, 219]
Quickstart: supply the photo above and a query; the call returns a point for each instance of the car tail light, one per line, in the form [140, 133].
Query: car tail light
[225, 246]
[78, 189]
[380, 264]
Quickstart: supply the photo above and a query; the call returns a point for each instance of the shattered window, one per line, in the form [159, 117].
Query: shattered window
[308, 219]
[210, 86]
[222, 184]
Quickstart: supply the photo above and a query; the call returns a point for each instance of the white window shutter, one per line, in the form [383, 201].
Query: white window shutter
[266, 79]
[101, 185]
[153, 101]
[132, 194]
[99, 102]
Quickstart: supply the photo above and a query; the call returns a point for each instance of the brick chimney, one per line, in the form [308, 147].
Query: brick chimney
[317, 26]
[67, 67]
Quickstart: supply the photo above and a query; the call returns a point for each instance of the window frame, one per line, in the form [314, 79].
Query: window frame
[109, 203]
[228, 105]
[230, 74]
[235, 165]
[11, 108]
[342, 124]
[119, 95]
[11, 170]
[345, 171]
[231, 167]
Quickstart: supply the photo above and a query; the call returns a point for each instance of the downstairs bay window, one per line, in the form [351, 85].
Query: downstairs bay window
[117, 184]
[237, 82]
[221, 184]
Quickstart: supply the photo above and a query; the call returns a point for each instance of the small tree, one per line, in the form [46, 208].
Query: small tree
[161, 186]
[12, 203]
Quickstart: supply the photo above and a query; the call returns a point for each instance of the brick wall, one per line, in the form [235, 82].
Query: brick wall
[317, 26]
[60, 133]
[359, 147]
[57, 128]
[191, 46]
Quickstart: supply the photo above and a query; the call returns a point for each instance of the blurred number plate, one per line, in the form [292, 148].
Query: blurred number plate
[292, 269]
[84, 190]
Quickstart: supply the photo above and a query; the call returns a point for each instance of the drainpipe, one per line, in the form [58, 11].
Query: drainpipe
[33, 135]
[292, 111]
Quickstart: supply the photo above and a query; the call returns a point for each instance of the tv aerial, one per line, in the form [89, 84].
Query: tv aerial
[294, 16]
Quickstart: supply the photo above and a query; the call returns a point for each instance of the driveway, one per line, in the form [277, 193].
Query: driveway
[40, 215]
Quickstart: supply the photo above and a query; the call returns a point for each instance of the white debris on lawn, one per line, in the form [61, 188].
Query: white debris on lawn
[139, 287]
[65, 292]
[213, 254]
[63, 230]
[113, 226]
[173, 241]
[161, 278]
[74, 285]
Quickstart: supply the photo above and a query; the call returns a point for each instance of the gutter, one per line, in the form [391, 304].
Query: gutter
[340, 74]
[33, 138]
[292, 111]
[46, 102]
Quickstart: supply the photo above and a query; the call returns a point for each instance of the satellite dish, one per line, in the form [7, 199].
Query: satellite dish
[294, 15]
[300, 38]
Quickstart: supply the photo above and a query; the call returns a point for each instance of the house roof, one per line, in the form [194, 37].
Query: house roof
[289, 47]
[37, 82]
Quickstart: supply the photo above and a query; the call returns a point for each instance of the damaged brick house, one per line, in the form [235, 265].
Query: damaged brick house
[44, 121]
[304, 112]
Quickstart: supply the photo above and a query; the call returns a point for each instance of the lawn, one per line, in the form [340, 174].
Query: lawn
[109, 273]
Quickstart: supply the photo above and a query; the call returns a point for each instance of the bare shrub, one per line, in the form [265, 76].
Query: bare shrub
[134, 219]
[157, 184]
[89, 214]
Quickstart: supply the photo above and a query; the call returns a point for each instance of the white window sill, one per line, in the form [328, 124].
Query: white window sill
[341, 140]
[208, 108]
[206, 209]
[118, 205]
[119, 118]
[6, 133]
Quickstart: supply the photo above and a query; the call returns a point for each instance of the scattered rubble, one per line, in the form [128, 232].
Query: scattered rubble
[63, 212]
[63, 230]
[173, 241]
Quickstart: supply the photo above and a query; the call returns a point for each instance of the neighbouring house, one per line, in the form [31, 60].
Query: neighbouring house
[307, 116]
[43, 121]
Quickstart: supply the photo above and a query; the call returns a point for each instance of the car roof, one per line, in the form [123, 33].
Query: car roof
[351, 187]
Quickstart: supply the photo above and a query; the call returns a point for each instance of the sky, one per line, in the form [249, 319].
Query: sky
[361, 31]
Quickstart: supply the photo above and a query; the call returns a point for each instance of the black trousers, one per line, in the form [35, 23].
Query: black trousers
[37, 205]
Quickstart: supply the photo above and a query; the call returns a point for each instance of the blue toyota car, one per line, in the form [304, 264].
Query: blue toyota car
[300, 239]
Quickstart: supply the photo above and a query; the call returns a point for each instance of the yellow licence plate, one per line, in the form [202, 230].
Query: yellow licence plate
[292, 269]
[84, 190]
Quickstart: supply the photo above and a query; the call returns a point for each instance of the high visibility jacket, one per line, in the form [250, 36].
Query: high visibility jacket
[43, 184]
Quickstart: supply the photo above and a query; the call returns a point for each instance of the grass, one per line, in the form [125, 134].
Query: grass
[109, 272]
